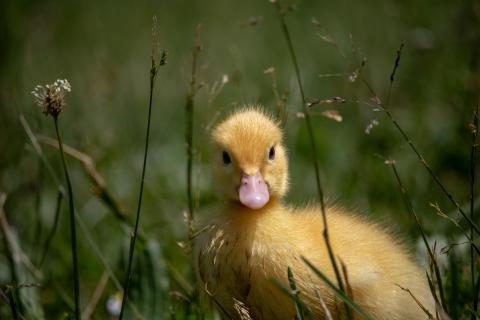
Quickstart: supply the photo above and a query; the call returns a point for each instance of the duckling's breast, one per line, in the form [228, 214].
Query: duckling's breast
[239, 260]
[244, 256]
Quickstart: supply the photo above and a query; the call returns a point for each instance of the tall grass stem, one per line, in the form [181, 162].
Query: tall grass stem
[100, 188]
[472, 206]
[308, 122]
[432, 174]
[73, 231]
[83, 228]
[410, 143]
[128, 276]
[411, 210]
[189, 116]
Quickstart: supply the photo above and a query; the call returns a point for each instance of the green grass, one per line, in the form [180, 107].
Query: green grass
[423, 99]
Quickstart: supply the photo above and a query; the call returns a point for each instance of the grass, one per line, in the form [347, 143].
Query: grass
[474, 283]
[296, 299]
[153, 74]
[189, 115]
[73, 230]
[281, 12]
[437, 275]
[54, 228]
[429, 94]
[340, 293]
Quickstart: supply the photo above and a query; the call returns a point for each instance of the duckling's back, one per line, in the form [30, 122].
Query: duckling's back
[244, 250]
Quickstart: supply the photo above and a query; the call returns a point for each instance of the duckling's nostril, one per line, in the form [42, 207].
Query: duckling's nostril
[251, 179]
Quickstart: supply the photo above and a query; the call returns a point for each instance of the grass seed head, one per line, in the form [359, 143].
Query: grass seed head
[51, 97]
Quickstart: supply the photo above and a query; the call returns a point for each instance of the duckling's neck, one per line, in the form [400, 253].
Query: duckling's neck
[241, 217]
[240, 222]
[235, 208]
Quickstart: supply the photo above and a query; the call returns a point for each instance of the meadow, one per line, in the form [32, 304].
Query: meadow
[386, 85]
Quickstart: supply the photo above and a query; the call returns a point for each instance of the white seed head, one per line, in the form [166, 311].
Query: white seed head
[51, 97]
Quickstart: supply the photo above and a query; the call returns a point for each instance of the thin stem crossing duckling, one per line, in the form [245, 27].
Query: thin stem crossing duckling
[255, 237]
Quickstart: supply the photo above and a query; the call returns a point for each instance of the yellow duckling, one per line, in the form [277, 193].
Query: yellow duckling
[255, 237]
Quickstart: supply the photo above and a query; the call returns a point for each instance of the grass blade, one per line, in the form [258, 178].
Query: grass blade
[308, 122]
[291, 294]
[432, 287]
[13, 305]
[472, 207]
[340, 293]
[83, 228]
[296, 299]
[431, 173]
[39, 151]
[415, 150]
[430, 316]
[476, 290]
[93, 245]
[100, 188]
[73, 239]
[54, 227]
[411, 210]
[22, 269]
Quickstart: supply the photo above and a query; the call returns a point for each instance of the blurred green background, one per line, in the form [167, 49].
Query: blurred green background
[103, 48]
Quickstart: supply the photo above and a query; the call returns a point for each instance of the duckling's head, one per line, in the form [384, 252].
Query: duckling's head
[250, 161]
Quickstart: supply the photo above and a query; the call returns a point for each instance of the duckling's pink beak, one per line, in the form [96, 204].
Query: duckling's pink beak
[253, 191]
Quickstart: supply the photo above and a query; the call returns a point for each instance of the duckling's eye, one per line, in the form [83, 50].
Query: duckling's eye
[226, 158]
[271, 153]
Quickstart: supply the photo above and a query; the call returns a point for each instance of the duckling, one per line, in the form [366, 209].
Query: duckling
[254, 237]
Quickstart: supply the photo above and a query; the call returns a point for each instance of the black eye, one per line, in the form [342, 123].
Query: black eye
[226, 157]
[271, 153]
